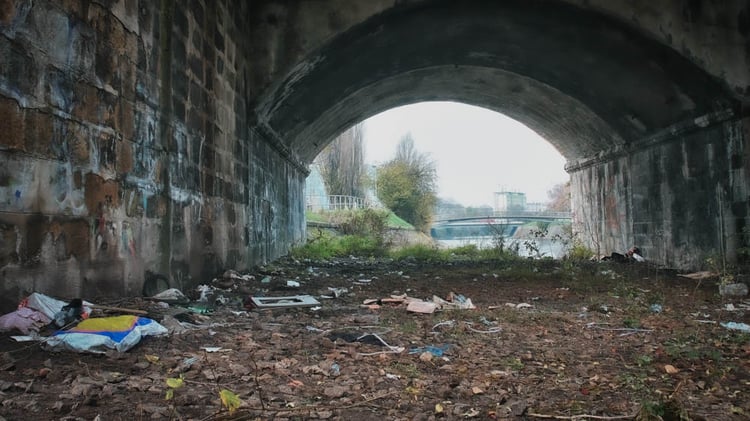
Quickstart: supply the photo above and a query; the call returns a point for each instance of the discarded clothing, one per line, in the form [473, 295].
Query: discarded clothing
[69, 313]
[24, 319]
[96, 335]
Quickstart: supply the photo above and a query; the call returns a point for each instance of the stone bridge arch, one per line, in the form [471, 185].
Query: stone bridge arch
[640, 123]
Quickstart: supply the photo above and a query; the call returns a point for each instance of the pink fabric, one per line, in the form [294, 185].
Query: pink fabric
[24, 319]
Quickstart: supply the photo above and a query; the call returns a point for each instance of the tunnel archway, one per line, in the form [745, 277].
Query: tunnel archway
[600, 91]
[584, 81]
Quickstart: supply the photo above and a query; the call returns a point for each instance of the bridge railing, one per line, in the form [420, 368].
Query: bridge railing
[337, 202]
[447, 216]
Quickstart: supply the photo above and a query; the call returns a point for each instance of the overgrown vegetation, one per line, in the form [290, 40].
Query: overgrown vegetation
[364, 234]
[406, 184]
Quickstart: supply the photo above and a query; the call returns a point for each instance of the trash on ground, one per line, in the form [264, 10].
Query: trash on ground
[282, 302]
[292, 284]
[335, 292]
[656, 308]
[172, 295]
[38, 310]
[211, 349]
[69, 313]
[626, 330]
[367, 338]
[733, 290]
[437, 351]
[454, 301]
[424, 307]
[743, 327]
[25, 320]
[97, 334]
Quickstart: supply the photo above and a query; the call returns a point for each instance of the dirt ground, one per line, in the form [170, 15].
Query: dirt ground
[594, 342]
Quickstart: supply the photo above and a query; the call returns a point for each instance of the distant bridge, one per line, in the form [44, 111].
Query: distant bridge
[490, 218]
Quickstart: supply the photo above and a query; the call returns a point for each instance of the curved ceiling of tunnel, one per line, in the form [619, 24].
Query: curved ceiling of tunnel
[581, 80]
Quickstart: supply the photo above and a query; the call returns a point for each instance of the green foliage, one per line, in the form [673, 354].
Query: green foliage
[329, 245]
[364, 235]
[420, 252]
[406, 185]
[173, 383]
[229, 400]
[365, 222]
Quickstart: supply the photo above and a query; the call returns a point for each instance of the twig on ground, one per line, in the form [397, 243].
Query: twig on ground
[491, 330]
[581, 417]
[629, 330]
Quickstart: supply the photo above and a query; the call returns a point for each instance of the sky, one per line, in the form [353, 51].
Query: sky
[477, 151]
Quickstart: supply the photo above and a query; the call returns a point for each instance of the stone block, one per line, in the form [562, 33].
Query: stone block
[12, 125]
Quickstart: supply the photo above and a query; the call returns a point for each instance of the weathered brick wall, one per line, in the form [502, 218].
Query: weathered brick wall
[681, 197]
[125, 147]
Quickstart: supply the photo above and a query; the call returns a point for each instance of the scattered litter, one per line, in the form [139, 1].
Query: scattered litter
[512, 305]
[38, 310]
[172, 294]
[450, 323]
[26, 338]
[335, 292]
[424, 307]
[212, 348]
[436, 351]
[69, 313]
[185, 365]
[282, 302]
[335, 369]
[367, 338]
[454, 301]
[490, 330]
[292, 284]
[656, 308]
[627, 330]
[363, 281]
[744, 327]
[25, 320]
[266, 280]
[94, 335]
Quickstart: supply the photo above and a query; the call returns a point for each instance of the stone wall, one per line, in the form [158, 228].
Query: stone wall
[126, 148]
[681, 196]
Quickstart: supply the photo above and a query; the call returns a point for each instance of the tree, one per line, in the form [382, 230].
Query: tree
[559, 197]
[406, 184]
[342, 163]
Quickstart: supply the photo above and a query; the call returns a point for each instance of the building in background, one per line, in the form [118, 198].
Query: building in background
[510, 201]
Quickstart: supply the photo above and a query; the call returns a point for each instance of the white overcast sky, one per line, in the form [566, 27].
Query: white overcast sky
[476, 151]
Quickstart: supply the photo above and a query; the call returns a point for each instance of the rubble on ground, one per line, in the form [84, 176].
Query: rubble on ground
[487, 342]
